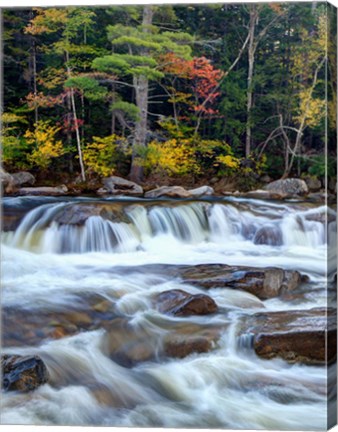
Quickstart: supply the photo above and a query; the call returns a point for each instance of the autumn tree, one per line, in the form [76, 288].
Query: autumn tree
[69, 24]
[200, 80]
[135, 61]
[308, 105]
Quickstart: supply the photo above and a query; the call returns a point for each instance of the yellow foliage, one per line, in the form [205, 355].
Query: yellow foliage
[45, 146]
[229, 161]
[312, 109]
[307, 59]
[175, 157]
[101, 156]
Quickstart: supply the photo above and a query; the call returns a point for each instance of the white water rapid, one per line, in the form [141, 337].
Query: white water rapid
[79, 278]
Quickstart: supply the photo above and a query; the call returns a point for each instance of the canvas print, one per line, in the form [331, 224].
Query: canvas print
[169, 215]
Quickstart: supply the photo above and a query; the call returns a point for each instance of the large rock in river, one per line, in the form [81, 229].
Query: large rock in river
[288, 187]
[180, 303]
[77, 214]
[168, 191]
[119, 186]
[263, 283]
[183, 343]
[269, 235]
[23, 373]
[296, 336]
[129, 345]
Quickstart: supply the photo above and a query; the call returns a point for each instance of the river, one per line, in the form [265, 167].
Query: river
[77, 291]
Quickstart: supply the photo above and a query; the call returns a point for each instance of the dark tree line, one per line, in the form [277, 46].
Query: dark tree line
[207, 89]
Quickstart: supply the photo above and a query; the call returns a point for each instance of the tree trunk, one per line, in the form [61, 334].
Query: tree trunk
[78, 140]
[69, 134]
[36, 108]
[251, 60]
[76, 125]
[141, 85]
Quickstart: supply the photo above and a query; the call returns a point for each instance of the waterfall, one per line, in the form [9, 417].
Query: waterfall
[190, 223]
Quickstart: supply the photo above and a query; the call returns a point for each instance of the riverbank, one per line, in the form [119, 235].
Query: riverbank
[309, 189]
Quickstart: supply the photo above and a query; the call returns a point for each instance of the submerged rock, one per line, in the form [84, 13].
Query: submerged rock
[269, 235]
[119, 186]
[23, 373]
[288, 187]
[180, 347]
[77, 214]
[168, 191]
[130, 345]
[295, 336]
[180, 303]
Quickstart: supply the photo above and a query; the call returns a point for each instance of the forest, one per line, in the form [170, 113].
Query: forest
[169, 94]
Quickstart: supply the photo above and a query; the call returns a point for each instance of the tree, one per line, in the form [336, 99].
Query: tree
[70, 20]
[308, 107]
[136, 63]
[200, 77]
[255, 11]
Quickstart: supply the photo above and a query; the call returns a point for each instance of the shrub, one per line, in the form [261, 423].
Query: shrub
[104, 155]
[44, 144]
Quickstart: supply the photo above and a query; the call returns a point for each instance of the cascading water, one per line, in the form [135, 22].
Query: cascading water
[191, 223]
[79, 282]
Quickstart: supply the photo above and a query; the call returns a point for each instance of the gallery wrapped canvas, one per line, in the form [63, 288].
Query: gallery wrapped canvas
[169, 215]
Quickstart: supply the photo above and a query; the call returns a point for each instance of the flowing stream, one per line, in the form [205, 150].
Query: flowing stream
[78, 290]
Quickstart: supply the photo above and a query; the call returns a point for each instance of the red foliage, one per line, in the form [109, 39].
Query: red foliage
[43, 101]
[201, 73]
[70, 125]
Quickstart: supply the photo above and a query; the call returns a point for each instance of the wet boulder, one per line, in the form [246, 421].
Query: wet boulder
[168, 191]
[180, 347]
[264, 283]
[23, 373]
[202, 191]
[44, 191]
[295, 336]
[180, 303]
[269, 235]
[130, 345]
[127, 345]
[119, 186]
[77, 214]
[23, 178]
[288, 187]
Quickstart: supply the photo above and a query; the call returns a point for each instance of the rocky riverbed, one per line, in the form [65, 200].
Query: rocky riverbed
[167, 314]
